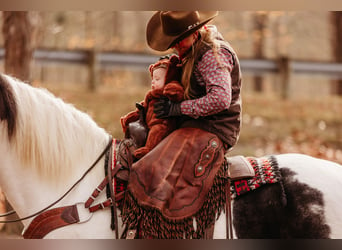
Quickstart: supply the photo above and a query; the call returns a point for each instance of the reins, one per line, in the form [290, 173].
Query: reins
[66, 193]
[8, 213]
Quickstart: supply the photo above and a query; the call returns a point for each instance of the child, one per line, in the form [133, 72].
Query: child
[165, 84]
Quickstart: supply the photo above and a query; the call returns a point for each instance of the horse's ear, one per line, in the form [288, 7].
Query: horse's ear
[8, 108]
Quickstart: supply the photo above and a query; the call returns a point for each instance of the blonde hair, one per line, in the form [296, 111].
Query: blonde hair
[206, 38]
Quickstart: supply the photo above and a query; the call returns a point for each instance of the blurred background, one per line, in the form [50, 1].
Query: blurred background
[291, 64]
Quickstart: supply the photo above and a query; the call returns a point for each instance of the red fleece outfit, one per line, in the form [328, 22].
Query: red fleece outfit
[158, 128]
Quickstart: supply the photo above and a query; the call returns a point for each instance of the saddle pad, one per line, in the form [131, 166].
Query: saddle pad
[266, 172]
[176, 176]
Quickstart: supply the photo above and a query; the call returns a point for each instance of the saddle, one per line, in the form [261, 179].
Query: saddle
[239, 168]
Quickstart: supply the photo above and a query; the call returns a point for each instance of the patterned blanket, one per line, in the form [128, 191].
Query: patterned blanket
[266, 172]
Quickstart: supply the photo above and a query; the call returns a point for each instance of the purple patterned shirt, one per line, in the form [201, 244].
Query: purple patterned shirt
[216, 77]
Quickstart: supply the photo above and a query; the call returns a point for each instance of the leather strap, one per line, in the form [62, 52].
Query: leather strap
[106, 203]
[101, 205]
[107, 179]
[51, 220]
[96, 193]
[229, 227]
[209, 232]
[110, 175]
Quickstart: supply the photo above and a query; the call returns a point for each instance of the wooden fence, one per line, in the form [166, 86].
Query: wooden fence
[94, 60]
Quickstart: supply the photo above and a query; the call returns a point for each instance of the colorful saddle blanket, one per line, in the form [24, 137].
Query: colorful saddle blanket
[266, 172]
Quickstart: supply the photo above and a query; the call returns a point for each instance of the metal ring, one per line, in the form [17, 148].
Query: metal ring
[86, 210]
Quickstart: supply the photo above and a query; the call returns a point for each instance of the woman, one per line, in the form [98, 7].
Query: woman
[211, 73]
[184, 177]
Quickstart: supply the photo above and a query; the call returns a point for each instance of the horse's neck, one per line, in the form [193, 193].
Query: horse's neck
[28, 193]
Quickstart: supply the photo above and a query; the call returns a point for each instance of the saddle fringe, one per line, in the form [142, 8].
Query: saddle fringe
[152, 224]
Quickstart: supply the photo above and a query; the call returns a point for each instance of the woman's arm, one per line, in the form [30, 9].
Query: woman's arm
[217, 79]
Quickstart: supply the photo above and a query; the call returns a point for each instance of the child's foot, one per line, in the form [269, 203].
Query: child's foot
[140, 152]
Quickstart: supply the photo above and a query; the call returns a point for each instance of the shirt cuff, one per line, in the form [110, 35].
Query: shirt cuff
[187, 108]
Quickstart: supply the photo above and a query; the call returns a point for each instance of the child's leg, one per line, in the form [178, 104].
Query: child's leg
[155, 135]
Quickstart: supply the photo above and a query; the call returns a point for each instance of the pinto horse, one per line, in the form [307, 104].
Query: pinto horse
[48, 147]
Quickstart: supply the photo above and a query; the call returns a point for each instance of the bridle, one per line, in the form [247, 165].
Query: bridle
[66, 193]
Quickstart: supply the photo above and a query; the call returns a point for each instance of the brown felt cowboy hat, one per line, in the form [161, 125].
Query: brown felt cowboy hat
[166, 28]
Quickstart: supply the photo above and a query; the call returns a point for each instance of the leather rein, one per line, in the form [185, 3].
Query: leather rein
[109, 145]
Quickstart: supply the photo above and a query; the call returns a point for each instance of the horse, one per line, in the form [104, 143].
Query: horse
[52, 157]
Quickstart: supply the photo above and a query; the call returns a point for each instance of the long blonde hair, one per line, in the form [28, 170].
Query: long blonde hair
[206, 38]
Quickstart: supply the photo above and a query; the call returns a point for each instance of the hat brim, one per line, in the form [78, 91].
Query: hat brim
[159, 41]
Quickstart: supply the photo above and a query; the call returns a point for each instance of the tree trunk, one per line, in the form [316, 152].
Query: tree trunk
[18, 42]
[336, 21]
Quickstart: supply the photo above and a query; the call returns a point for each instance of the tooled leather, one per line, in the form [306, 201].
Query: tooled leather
[51, 220]
[206, 157]
[165, 178]
[70, 215]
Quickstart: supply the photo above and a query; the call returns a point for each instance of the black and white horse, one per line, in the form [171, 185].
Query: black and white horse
[46, 146]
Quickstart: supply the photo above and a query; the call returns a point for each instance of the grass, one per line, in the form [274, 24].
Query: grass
[270, 125]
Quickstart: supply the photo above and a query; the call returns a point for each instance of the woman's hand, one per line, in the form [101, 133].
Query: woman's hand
[164, 108]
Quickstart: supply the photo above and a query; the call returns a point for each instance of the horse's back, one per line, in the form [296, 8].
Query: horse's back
[324, 175]
[313, 186]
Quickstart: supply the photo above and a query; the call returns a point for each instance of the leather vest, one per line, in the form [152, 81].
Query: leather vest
[226, 124]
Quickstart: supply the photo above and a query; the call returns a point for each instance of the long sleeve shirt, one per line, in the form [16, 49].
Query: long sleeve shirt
[215, 76]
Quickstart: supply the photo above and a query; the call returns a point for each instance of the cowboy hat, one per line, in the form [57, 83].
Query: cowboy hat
[166, 28]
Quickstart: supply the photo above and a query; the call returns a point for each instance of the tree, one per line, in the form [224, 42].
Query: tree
[336, 20]
[18, 33]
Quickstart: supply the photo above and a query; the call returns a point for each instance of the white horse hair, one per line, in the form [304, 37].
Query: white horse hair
[51, 147]
[69, 136]
[46, 145]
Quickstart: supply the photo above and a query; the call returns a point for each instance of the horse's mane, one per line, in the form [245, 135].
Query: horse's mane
[44, 131]
[8, 107]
